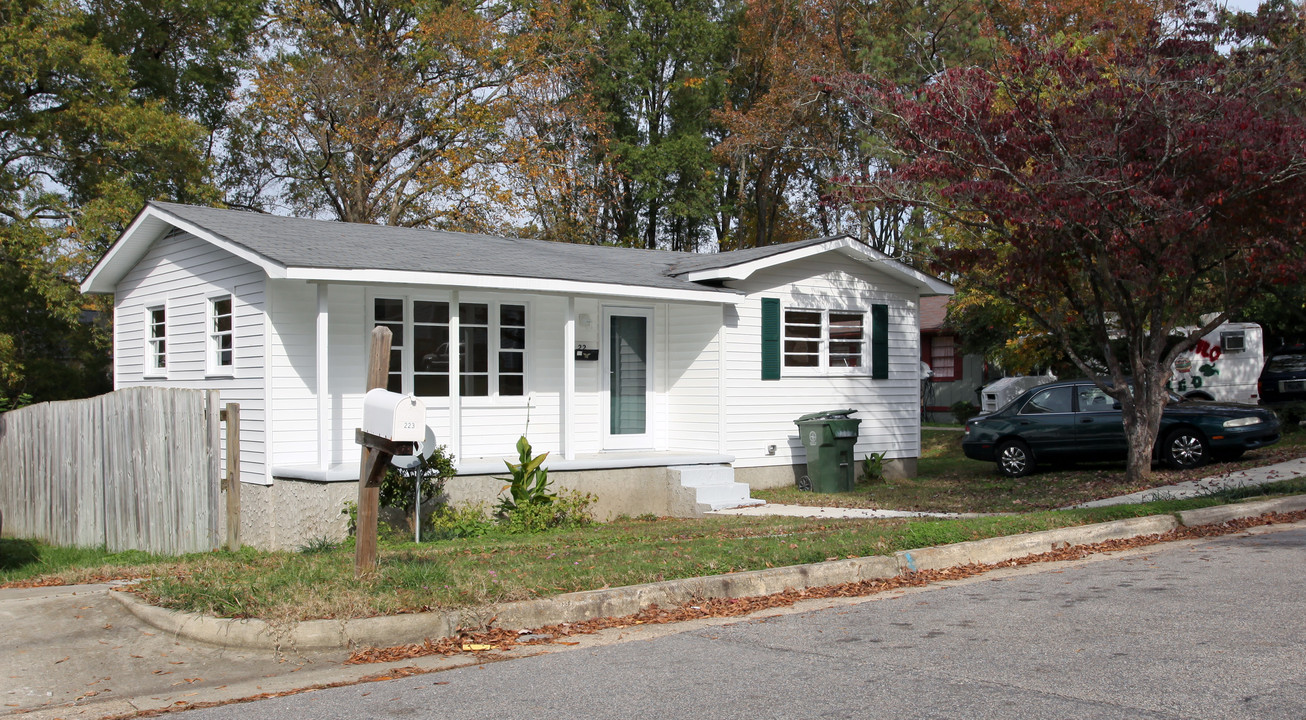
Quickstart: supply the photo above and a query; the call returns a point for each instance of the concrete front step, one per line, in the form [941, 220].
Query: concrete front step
[714, 486]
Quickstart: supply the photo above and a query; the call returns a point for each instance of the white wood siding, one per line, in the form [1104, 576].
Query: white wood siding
[294, 372]
[181, 272]
[693, 395]
[762, 413]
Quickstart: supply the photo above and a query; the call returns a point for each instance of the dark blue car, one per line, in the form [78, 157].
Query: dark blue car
[1075, 420]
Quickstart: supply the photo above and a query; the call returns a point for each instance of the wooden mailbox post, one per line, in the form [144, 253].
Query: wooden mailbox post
[377, 452]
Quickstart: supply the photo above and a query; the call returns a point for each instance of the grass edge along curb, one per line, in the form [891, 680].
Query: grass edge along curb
[622, 601]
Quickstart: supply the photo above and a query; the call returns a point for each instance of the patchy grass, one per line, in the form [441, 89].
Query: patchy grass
[284, 587]
[948, 481]
[33, 563]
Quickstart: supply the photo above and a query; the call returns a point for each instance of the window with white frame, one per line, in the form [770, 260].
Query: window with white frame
[156, 346]
[824, 339]
[491, 347]
[222, 355]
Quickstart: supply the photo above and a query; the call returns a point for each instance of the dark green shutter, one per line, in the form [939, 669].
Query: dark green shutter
[770, 338]
[880, 342]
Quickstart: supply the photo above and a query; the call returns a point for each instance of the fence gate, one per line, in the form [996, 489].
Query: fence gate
[136, 469]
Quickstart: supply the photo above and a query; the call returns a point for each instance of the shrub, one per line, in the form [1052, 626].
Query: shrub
[963, 411]
[449, 523]
[1291, 416]
[569, 509]
[873, 467]
[398, 487]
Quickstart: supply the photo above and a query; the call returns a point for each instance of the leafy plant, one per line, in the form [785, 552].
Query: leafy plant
[570, 509]
[529, 484]
[873, 467]
[398, 486]
[963, 411]
[22, 400]
[450, 523]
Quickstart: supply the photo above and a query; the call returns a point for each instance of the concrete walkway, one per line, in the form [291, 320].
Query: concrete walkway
[813, 511]
[1224, 481]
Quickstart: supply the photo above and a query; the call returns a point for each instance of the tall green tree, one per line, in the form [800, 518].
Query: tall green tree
[79, 154]
[657, 71]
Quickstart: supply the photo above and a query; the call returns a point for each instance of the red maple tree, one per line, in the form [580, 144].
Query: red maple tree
[1127, 189]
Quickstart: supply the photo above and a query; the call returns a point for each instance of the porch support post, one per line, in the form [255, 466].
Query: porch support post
[567, 441]
[722, 387]
[323, 394]
[455, 379]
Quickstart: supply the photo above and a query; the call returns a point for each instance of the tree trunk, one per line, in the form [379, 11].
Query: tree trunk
[1142, 405]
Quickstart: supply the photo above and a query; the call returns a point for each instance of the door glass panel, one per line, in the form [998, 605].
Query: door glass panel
[628, 349]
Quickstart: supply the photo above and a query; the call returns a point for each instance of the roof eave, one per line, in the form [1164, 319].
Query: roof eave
[511, 283]
[149, 225]
[927, 284]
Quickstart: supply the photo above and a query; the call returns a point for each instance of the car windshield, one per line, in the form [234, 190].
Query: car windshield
[1286, 363]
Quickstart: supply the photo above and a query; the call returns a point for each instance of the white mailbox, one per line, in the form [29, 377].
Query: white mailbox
[397, 418]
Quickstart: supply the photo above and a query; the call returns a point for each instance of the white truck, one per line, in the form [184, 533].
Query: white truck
[1224, 365]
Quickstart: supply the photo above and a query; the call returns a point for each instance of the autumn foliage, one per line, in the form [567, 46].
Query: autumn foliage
[1123, 190]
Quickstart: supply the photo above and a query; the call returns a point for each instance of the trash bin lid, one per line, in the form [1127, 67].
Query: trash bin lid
[827, 415]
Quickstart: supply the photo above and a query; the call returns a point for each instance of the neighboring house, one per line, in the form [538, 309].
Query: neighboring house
[641, 372]
[956, 377]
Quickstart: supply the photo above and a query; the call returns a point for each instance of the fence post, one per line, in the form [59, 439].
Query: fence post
[369, 498]
[231, 483]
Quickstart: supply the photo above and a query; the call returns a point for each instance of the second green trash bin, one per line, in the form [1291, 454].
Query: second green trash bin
[829, 437]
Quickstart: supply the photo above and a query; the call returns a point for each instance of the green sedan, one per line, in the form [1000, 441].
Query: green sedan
[1076, 420]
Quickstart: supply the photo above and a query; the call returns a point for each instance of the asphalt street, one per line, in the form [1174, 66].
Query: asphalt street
[1193, 629]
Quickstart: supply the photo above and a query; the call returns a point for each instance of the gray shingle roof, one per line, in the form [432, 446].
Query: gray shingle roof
[305, 243]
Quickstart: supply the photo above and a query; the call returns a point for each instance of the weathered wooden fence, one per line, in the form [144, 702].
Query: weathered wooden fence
[136, 469]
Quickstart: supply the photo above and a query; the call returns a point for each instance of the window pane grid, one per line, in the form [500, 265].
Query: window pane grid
[491, 347]
[824, 339]
[220, 333]
[158, 339]
[430, 348]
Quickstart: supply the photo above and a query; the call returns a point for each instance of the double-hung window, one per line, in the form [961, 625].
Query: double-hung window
[824, 340]
[156, 345]
[491, 347]
[943, 357]
[221, 347]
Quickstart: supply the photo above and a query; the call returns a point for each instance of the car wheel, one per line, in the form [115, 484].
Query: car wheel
[1014, 459]
[1184, 449]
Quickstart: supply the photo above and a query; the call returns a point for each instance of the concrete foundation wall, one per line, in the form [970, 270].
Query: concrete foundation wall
[625, 491]
[292, 513]
[289, 514]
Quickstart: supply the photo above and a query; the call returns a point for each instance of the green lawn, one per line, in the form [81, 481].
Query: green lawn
[948, 481]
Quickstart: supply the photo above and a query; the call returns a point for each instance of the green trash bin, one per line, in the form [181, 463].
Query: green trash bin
[828, 437]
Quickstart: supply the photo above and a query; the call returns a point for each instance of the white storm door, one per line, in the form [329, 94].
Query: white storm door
[627, 378]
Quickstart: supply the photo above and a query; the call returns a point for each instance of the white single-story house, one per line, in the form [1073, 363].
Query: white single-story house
[642, 373]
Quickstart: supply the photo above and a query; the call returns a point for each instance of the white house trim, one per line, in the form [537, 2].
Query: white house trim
[497, 282]
[323, 367]
[568, 399]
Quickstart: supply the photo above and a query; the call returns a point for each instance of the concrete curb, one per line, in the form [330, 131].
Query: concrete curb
[615, 602]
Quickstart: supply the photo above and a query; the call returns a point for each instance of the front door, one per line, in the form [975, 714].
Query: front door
[628, 371]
